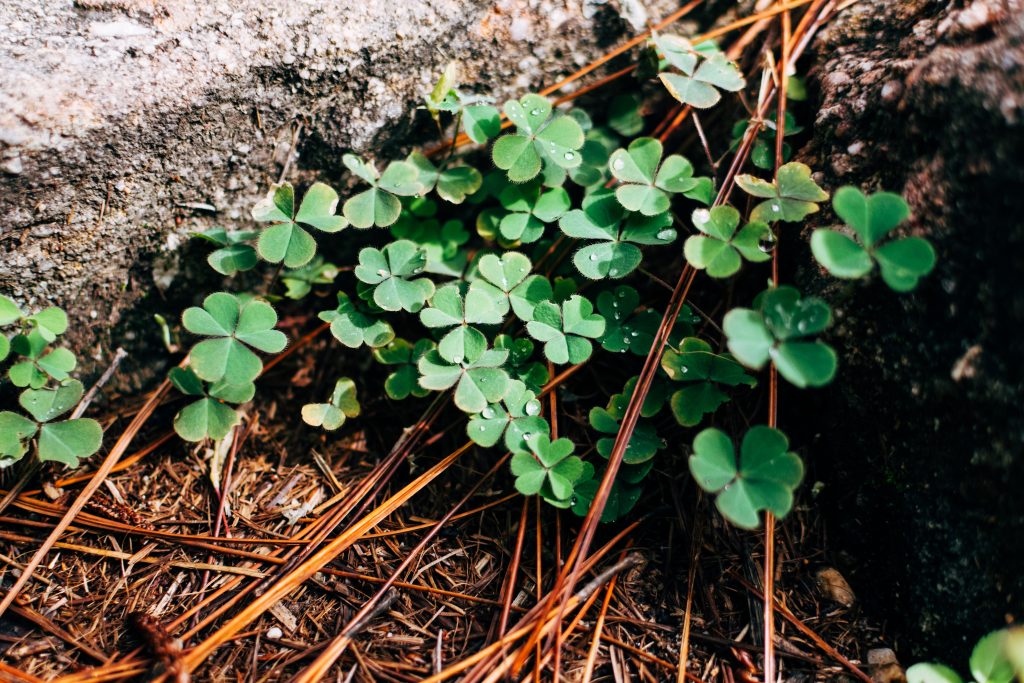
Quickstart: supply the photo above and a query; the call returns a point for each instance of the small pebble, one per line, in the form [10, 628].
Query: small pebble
[275, 633]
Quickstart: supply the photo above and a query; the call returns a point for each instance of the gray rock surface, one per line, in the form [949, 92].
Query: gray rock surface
[126, 123]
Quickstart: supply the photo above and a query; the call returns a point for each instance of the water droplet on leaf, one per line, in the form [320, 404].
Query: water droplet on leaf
[767, 242]
[533, 408]
[569, 156]
[618, 164]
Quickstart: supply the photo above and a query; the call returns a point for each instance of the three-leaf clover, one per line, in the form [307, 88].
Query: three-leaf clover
[989, 663]
[643, 443]
[538, 137]
[645, 182]
[380, 205]
[549, 468]
[299, 282]
[702, 371]
[530, 207]
[40, 362]
[903, 261]
[621, 499]
[389, 270]
[209, 417]
[624, 329]
[354, 328]
[65, 441]
[565, 329]
[286, 240]
[719, 249]
[235, 254]
[792, 196]
[331, 415]
[698, 86]
[403, 381]
[504, 277]
[234, 325]
[520, 364]
[516, 416]
[764, 479]
[478, 379]
[777, 330]
[453, 306]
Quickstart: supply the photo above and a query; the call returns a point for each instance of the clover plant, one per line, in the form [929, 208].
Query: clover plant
[721, 248]
[549, 468]
[992, 661]
[645, 181]
[539, 137]
[791, 196]
[331, 415]
[566, 329]
[703, 73]
[286, 240]
[380, 204]
[701, 371]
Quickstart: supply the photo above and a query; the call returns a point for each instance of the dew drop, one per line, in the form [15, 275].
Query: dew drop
[634, 333]
[666, 234]
[573, 501]
[618, 164]
[535, 112]
[622, 293]
[382, 272]
[801, 327]
[488, 412]
[684, 369]
[593, 257]
[775, 207]
[767, 242]
[701, 216]
[612, 272]
[533, 408]
[569, 156]
[625, 340]
[457, 360]
[481, 428]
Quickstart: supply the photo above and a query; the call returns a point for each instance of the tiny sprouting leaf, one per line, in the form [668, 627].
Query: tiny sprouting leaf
[379, 205]
[989, 663]
[529, 208]
[186, 381]
[235, 326]
[481, 122]
[332, 415]
[624, 115]
[69, 441]
[538, 137]
[452, 182]
[902, 261]
[719, 248]
[48, 404]
[566, 329]
[701, 87]
[516, 416]
[453, 306]
[520, 364]
[645, 181]
[702, 371]
[764, 479]
[778, 330]
[49, 323]
[549, 468]
[792, 196]
[286, 240]
[353, 328]
[299, 282]
[444, 96]
[9, 311]
[206, 418]
[390, 272]
[15, 431]
[615, 251]
[404, 380]
[478, 380]
[626, 330]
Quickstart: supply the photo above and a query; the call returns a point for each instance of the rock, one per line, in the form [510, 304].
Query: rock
[122, 121]
[883, 667]
[920, 440]
[834, 587]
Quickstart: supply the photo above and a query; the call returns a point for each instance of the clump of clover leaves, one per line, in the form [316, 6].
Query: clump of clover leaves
[286, 240]
[299, 282]
[539, 137]
[701, 371]
[613, 250]
[720, 248]
[404, 379]
[993, 660]
[566, 329]
[48, 391]
[550, 469]
[221, 369]
[459, 308]
[791, 197]
[380, 204]
[529, 208]
[331, 415]
[778, 329]
[516, 416]
[645, 182]
[764, 478]
[705, 71]
[390, 272]
[903, 262]
[478, 377]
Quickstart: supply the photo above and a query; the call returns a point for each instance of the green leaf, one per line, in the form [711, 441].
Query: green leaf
[390, 271]
[520, 364]
[621, 499]
[549, 469]
[380, 205]
[331, 416]
[839, 254]
[478, 379]
[701, 88]
[565, 329]
[644, 186]
[719, 249]
[299, 282]
[354, 328]
[904, 262]
[932, 673]
[15, 431]
[538, 136]
[403, 382]
[9, 311]
[696, 364]
[529, 209]
[286, 241]
[516, 416]
[643, 443]
[624, 115]
[624, 330]
[792, 196]
[482, 122]
[318, 207]
[50, 323]
[205, 418]
[871, 217]
[235, 325]
[5, 346]
[233, 258]
[989, 662]
[69, 441]
[678, 51]
[47, 404]
[765, 478]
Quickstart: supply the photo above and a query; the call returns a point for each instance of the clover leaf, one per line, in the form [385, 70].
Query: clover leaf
[792, 196]
[388, 271]
[538, 137]
[9, 311]
[520, 364]
[66, 441]
[903, 261]
[626, 331]
[615, 254]
[478, 379]
[500, 277]
[481, 121]
[235, 326]
[621, 499]
[646, 182]
[643, 443]
[379, 205]
[549, 468]
[299, 282]
[598, 144]
[624, 114]
[777, 329]
[702, 371]
[40, 362]
[441, 242]
[15, 431]
[332, 415]
[764, 479]
[565, 329]
[699, 87]
[719, 249]
[209, 417]
[234, 254]
[452, 182]
[354, 328]
[453, 306]
[529, 209]
[403, 381]
[990, 663]
[286, 240]
[516, 416]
